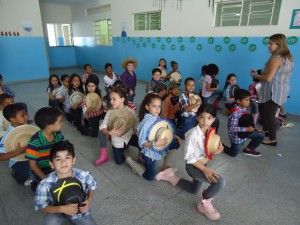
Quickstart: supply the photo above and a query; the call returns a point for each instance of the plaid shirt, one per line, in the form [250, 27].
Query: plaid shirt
[43, 196]
[152, 84]
[8, 91]
[131, 105]
[93, 113]
[252, 91]
[185, 101]
[233, 125]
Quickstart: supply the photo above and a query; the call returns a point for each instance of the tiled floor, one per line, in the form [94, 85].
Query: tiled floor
[262, 190]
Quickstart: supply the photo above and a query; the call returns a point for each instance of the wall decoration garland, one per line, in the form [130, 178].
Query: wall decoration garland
[226, 40]
[210, 40]
[9, 33]
[158, 39]
[153, 45]
[148, 40]
[163, 47]
[292, 40]
[266, 40]
[192, 39]
[179, 39]
[231, 47]
[173, 47]
[138, 45]
[168, 39]
[144, 44]
[141, 39]
[128, 39]
[218, 48]
[123, 40]
[199, 47]
[252, 47]
[118, 38]
[244, 40]
[133, 42]
[182, 48]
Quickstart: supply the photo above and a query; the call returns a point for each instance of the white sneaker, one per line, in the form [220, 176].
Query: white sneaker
[28, 182]
[289, 125]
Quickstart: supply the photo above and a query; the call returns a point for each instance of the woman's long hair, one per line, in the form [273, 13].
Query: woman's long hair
[283, 49]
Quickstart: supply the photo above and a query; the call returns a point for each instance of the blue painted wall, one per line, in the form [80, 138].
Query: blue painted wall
[148, 51]
[63, 56]
[23, 58]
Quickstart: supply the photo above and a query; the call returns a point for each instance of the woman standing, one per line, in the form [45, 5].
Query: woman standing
[275, 84]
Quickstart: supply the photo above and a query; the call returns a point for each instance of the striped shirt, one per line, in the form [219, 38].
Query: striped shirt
[279, 88]
[38, 148]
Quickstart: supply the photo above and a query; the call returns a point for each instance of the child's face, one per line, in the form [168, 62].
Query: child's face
[57, 125]
[162, 63]
[130, 67]
[205, 120]
[244, 102]
[88, 70]
[154, 107]
[76, 82]
[66, 82]
[7, 101]
[232, 80]
[91, 87]
[63, 163]
[54, 81]
[175, 67]
[190, 86]
[109, 70]
[156, 75]
[116, 101]
[21, 118]
[174, 91]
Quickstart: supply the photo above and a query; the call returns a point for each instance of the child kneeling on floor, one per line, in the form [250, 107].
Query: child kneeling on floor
[62, 160]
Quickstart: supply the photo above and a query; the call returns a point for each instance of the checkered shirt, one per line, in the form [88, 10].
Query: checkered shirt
[185, 101]
[233, 125]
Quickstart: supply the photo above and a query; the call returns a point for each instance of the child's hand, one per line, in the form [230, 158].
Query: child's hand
[131, 92]
[259, 130]
[161, 142]
[20, 150]
[210, 174]
[70, 209]
[116, 131]
[51, 97]
[85, 207]
[219, 149]
[250, 129]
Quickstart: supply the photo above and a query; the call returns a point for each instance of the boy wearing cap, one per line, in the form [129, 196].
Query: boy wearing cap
[17, 115]
[62, 159]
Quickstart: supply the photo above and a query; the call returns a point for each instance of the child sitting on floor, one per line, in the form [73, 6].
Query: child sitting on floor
[5, 100]
[157, 85]
[54, 85]
[62, 159]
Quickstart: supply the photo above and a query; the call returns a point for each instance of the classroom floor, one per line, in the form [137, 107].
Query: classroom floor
[263, 190]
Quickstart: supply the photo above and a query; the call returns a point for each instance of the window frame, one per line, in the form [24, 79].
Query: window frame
[98, 39]
[149, 22]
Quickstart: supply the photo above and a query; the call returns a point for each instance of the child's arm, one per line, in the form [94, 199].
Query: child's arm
[211, 89]
[272, 67]
[209, 173]
[9, 155]
[70, 209]
[36, 169]
[51, 97]
[166, 108]
[87, 202]
[234, 125]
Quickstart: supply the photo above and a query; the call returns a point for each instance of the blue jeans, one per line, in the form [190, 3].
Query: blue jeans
[205, 100]
[21, 171]
[151, 168]
[59, 218]
[188, 123]
[235, 149]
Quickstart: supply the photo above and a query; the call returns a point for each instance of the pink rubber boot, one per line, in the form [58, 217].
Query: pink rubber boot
[204, 206]
[103, 157]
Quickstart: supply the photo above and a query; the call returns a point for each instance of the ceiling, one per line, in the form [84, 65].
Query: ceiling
[67, 2]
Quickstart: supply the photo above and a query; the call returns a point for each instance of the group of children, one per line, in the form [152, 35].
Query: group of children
[51, 158]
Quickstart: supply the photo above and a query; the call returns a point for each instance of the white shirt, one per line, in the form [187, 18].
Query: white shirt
[64, 92]
[109, 82]
[4, 124]
[194, 145]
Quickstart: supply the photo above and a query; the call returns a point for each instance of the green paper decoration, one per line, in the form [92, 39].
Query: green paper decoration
[123, 40]
[266, 40]
[118, 38]
[244, 40]
[199, 47]
[133, 42]
[179, 39]
[158, 39]
[231, 47]
[128, 38]
[182, 47]
[144, 44]
[141, 39]
[218, 48]
[148, 40]
[210, 40]
[173, 47]
[163, 47]
[252, 47]
[192, 39]
[138, 45]
[292, 40]
[168, 39]
[153, 45]
[226, 40]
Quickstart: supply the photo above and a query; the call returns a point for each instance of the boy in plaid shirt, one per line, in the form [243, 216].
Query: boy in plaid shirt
[242, 98]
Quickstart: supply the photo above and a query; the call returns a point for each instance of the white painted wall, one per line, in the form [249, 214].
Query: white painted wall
[14, 12]
[195, 18]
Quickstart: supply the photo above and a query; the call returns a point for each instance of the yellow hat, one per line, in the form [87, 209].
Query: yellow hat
[129, 60]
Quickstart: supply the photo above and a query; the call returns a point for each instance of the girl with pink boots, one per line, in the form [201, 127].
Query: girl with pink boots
[196, 161]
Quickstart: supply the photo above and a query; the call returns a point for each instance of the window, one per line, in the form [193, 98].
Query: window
[247, 12]
[147, 21]
[102, 32]
[59, 34]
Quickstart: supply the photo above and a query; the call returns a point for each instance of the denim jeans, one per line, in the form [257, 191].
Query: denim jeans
[235, 149]
[59, 218]
[205, 100]
[151, 168]
[21, 171]
[198, 178]
[188, 123]
[119, 152]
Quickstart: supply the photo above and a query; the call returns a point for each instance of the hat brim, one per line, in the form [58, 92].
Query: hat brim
[212, 141]
[91, 97]
[129, 60]
[76, 98]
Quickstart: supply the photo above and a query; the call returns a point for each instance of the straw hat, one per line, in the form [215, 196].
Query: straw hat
[129, 60]
[76, 98]
[212, 142]
[121, 118]
[22, 135]
[233, 89]
[164, 74]
[161, 129]
[159, 87]
[194, 98]
[175, 76]
[54, 92]
[67, 190]
[92, 97]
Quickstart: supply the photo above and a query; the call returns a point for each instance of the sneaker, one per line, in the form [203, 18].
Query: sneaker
[205, 207]
[28, 182]
[250, 152]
